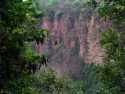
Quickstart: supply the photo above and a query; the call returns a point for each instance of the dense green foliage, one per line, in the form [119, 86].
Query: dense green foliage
[92, 85]
[17, 34]
[111, 73]
[44, 82]
[113, 9]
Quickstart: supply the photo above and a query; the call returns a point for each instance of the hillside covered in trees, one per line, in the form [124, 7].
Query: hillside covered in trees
[62, 47]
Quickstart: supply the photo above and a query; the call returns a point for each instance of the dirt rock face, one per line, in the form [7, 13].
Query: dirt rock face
[74, 38]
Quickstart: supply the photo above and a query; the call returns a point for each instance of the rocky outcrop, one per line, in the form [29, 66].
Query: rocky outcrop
[74, 38]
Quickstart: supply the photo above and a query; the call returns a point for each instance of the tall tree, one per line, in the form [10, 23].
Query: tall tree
[17, 31]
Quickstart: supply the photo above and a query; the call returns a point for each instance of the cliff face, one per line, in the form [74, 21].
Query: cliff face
[74, 39]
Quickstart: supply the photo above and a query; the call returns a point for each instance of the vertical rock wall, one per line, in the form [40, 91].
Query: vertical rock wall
[74, 39]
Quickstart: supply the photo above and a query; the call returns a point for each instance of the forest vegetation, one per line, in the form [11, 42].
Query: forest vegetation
[24, 71]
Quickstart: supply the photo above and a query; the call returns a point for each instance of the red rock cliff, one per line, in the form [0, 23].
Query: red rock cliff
[74, 38]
